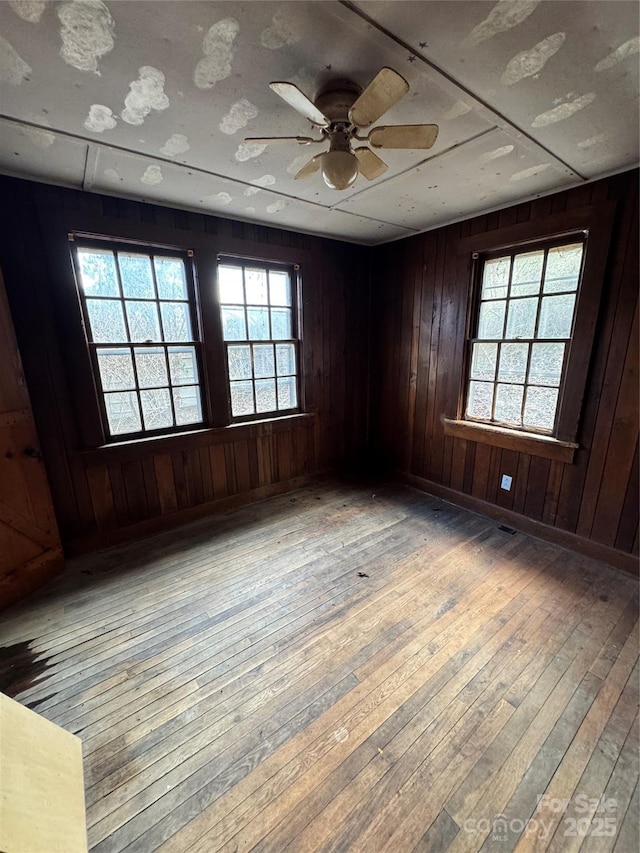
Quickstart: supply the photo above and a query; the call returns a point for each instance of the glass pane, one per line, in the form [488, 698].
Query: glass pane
[279, 288]
[479, 400]
[491, 321]
[281, 324]
[286, 359]
[230, 284]
[546, 364]
[241, 398]
[156, 408]
[151, 367]
[508, 406]
[183, 365]
[135, 273]
[176, 321]
[540, 408]
[266, 395]
[123, 413]
[521, 320]
[255, 282]
[527, 273]
[116, 369]
[495, 278]
[483, 361]
[239, 362]
[287, 393]
[258, 319]
[563, 268]
[143, 321]
[106, 320]
[556, 316]
[233, 324]
[263, 362]
[513, 362]
[170, 278]
[98, 272]
[186, 401]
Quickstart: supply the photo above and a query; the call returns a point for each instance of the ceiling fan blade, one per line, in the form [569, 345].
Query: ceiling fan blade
[385, 90]
[309, 168]
[299, 101]
[268, 140]
[370, 165]
[404, 136]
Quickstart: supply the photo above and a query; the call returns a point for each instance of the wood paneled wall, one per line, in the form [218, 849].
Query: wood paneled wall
[109, 494]
[420, 299]
[407, 358]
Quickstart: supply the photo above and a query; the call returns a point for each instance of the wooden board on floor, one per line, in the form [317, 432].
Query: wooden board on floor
[41, 784]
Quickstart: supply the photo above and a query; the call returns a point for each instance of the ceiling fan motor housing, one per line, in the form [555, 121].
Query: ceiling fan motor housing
[336, 98]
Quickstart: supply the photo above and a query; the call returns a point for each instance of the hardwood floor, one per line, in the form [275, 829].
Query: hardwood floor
[341, 669]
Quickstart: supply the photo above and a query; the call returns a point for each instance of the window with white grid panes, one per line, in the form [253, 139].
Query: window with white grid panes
[523, 326]
[142, 333]
[259, 327]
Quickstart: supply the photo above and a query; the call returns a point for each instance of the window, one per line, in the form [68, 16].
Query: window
[259, 326]
[521, 335]
[167, 351]
[141, 330]
[535, 291]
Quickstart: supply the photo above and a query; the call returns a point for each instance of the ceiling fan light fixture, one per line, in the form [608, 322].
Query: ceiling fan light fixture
[339, 169]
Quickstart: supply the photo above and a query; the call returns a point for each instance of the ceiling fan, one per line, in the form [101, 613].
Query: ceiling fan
[342, 109]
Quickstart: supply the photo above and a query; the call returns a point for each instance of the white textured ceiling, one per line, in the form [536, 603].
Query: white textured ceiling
[152, 100]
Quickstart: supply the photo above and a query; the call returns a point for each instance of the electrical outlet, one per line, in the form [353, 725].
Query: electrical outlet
[506, 482]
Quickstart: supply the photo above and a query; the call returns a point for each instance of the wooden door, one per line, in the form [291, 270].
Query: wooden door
[30, 550]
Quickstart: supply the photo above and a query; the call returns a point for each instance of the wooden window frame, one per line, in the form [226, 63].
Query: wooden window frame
[593, 225]
[293, 271]
[204, 249]
[479, 262]
[186, 256]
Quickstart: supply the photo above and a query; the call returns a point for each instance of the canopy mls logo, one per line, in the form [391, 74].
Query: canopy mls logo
[501, 827]
[588, 816]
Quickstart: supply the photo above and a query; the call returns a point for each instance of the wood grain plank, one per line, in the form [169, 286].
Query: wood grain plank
[630, 511]
[179, 463]
[481, 471]
[621, 451]
[134, 486]
[243, 474]
[151, 486]
[205, 473]
[218, 471]
[163, 467]
[101, 497]
[423, 363]
[537, 487]
[120, 501]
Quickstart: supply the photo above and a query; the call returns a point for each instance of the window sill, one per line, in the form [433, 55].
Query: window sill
[149, 446]
[522, 442]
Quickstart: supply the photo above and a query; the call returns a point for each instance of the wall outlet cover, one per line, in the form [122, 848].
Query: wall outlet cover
[506, 482]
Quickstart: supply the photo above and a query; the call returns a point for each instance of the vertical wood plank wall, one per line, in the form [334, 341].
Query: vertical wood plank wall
[417, 338]
[419, 310]
[102, 496]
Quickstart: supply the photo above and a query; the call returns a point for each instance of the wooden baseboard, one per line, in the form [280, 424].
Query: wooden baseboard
[595, 550]
[29, 577]
[120, 535]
